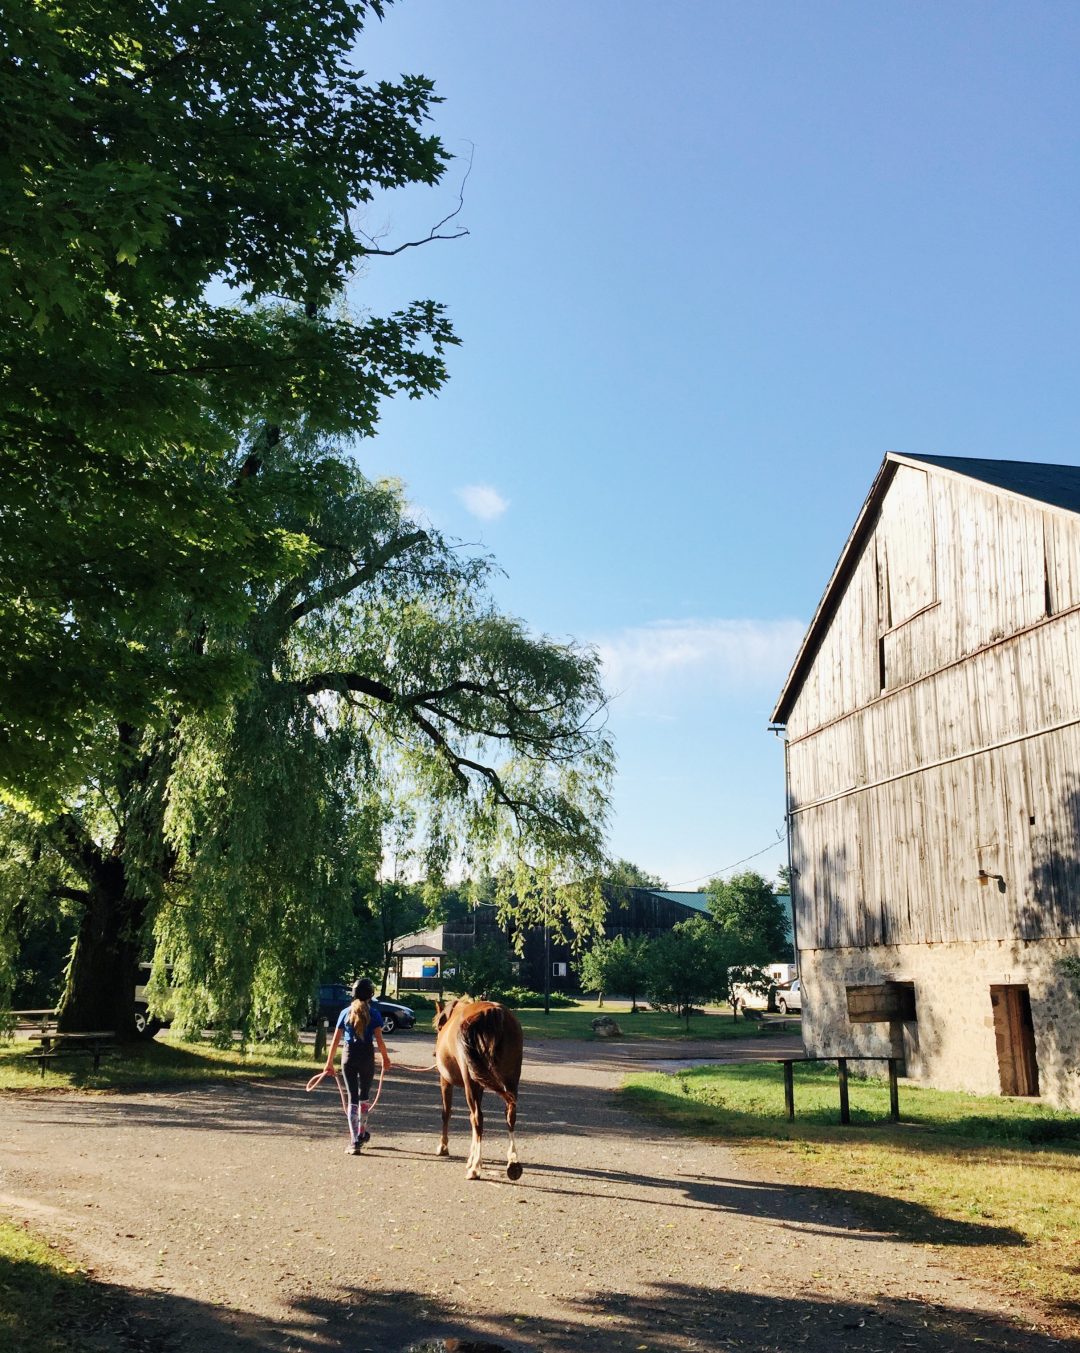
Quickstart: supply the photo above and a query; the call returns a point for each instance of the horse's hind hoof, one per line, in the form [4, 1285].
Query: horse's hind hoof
[513, 1170]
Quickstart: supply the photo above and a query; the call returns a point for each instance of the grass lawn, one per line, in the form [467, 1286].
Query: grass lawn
[47, 1305]
[159, 1061]
[994, 1183]
[576, 1022]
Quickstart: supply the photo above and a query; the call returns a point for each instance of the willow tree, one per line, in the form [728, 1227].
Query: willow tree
[224, 650]
[380, 671]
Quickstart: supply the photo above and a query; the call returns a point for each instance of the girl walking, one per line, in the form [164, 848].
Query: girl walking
[360, 1026]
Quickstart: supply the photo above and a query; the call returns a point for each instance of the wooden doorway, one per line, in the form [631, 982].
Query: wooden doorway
[1014, 1031]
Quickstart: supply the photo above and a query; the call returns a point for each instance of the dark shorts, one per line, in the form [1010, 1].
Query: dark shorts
[358, 1068]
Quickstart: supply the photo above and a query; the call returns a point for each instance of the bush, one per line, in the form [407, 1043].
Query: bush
[419, 1001]
[523, 998]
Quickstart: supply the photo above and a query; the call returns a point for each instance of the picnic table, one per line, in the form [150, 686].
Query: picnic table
[36, 1019]
[55, 1044]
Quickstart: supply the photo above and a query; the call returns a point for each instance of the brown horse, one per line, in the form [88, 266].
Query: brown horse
[478, 1046]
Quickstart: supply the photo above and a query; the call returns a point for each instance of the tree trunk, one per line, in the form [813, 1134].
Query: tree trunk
[388, 958]
[99, 995]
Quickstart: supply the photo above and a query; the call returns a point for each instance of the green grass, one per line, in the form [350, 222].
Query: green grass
[577, 1023]
[47, 1304]
[164, 1060]
[749, 1100]
[995, 1181]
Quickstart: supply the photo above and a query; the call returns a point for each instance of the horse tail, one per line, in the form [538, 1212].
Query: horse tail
[482, 1041]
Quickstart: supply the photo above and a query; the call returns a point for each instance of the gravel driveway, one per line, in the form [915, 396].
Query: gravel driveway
[231, 1219]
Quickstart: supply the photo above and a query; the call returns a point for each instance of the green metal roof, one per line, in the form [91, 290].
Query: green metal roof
[695, 901]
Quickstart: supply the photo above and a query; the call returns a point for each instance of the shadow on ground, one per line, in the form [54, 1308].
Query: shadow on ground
[668, 1316]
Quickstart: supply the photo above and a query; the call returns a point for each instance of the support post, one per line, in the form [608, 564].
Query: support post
[894, 1092]
[320, 1040]
[547, 962]
[841, 1068]
[789, 1090]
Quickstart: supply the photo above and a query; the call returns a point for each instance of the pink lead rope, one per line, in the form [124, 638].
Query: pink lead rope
[321, 1076]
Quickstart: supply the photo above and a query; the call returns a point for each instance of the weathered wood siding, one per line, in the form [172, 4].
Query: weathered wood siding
[937, 732]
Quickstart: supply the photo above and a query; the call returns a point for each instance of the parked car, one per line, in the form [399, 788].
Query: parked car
[334, 997]
[790, 998]
[147, 1025]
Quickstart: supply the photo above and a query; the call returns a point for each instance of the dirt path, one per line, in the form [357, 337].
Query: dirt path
[234, 1221]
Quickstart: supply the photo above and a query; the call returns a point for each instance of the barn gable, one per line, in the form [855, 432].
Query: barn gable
[946, 556]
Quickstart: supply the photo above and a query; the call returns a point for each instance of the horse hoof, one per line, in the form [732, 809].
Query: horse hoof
[472, 1174]
[443, 1151]
[513, 1170]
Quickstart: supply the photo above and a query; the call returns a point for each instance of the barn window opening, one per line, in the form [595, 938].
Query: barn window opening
[1014, 1033]
[882, 1002]
[1048, 596]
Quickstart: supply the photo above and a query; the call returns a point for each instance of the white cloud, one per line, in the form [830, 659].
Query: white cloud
[483, 501]
[647, 663]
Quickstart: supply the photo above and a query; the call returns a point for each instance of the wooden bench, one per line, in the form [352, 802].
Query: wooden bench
[55, 1044]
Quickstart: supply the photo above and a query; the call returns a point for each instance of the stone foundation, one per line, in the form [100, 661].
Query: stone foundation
[951, 1044]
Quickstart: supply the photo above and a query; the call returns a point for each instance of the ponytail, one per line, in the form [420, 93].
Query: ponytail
[360, 1017]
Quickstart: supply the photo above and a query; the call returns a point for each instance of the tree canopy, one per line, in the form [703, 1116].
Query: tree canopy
[746, 909]
[151, 151]
[618, 965]
[626, 874]
[688, 966]
[229, 654]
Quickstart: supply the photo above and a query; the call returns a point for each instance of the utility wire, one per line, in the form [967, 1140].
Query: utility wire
[724, 868]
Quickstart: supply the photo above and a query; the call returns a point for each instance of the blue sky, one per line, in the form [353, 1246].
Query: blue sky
[722, 257]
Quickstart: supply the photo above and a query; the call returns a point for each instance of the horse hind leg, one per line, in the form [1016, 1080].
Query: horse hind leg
[447, 1089]
[475, 1094]
[513, 1165]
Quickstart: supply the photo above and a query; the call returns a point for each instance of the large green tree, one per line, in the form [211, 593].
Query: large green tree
[151, 150]
[747, 910]
[620, 965]
[689, 966]
[226, 651]
[380, 672]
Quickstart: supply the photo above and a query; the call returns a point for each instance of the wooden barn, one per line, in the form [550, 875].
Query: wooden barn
[932, 720]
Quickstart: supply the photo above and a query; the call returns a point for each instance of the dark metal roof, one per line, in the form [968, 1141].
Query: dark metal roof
[1058, 485]
[419, 951]
[1055, 485]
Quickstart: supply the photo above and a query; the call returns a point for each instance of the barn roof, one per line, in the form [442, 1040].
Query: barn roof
[1057, 486]
[695, 901]
[419, 951]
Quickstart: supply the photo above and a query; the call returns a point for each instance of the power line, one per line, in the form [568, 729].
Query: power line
[724, 868]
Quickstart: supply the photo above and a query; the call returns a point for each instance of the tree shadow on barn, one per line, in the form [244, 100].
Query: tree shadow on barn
[1048, 942]
[666, 1316]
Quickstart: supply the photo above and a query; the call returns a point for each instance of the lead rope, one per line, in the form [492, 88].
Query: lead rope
[315, 1081]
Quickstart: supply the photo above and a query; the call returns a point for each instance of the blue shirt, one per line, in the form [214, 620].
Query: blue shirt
[352, 1039]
